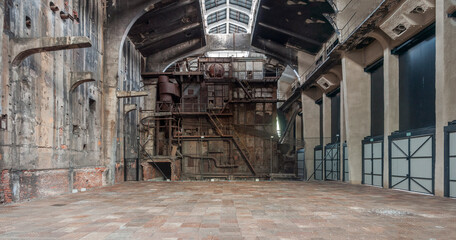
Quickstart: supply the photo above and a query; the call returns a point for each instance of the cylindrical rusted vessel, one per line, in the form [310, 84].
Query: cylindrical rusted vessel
[216, 70]
[166, 89]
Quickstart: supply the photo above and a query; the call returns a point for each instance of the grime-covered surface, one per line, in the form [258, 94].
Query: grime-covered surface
[52, 142]
[52, 98]
[214, 117]
[232, 210]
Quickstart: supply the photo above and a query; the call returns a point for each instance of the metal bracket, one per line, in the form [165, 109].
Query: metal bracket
[128, 108]
[24, 47]
[79, 78]
[131, 94]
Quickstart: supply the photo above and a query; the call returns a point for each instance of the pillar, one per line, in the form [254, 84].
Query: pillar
[445, 83]
[311, 130]
[391, 105]
[356, 85]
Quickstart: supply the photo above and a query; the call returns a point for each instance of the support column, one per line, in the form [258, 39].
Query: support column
[445, 83]
[311, 130]
[342, 136]
[391, 105]
[357, 112]
[326, 120]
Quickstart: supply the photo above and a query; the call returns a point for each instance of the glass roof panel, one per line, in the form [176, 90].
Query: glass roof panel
[214, 3]
[247, 4]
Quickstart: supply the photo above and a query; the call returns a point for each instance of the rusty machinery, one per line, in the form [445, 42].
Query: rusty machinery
[215, 119]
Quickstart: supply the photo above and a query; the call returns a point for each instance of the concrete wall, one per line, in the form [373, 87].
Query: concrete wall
[311, 130]
[127, 123]
[53, 140]
[445, 82]
[352, 14]
[355, 87]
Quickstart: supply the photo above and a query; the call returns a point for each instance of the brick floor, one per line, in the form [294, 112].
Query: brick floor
[232, 210]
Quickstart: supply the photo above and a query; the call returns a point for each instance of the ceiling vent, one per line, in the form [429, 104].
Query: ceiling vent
[399, 29]
[409, 18]
[324, 83]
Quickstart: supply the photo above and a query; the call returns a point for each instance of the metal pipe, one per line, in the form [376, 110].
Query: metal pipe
[137, 159]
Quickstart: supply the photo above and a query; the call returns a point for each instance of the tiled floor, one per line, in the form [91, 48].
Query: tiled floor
[232, 210]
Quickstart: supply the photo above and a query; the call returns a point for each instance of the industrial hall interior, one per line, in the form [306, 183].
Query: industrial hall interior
[228, 119]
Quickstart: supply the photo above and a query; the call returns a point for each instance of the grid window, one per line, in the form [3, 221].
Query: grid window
[247, 4]
[214, 3]
[237, 29]
[218, 29]
[217, 16]
[238, 16]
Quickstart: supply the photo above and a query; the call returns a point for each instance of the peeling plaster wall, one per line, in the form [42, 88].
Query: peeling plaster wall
[52, 143]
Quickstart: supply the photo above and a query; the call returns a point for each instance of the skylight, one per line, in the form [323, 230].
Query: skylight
[228, 16]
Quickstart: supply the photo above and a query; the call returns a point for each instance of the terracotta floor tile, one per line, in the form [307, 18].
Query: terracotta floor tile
[232, 210]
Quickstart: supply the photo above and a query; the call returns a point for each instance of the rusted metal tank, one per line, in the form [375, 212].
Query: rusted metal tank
[167, 89]
[216, 70]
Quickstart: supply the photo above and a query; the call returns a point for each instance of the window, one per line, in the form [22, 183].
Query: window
[217, 16]
[237, 29]
[247, 4]
[214, 3]
[219, 29]
[238, 16]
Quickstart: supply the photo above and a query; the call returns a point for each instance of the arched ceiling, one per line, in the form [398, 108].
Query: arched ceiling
[228, 16]
[169, 23]
[280, 28]
[284, 27]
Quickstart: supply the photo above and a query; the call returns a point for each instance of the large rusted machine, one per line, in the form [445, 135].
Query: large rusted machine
[213, 118]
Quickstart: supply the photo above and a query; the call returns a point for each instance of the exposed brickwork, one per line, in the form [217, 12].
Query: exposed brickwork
[39, 184]
[5, 190]
[148, 171]
[30, 184]
[88, 178]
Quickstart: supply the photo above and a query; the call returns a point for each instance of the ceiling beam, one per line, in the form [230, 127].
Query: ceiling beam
[291, 34]
[167, 35]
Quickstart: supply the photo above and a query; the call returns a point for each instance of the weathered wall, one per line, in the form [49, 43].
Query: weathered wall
[445, 82]
[127, 123]
[53, 140]
[352, 14]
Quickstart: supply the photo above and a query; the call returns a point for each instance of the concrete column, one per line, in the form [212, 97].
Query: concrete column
[326, 127]
[311, 131]
[391, 105]
[326, 120]
[357, 116]
[445, 83]
[343, 136]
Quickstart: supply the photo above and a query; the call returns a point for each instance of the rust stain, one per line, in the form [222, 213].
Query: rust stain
[63, 146]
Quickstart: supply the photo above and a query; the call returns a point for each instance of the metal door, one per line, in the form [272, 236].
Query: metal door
[373, 162]
[412, 161]
[318, 163]
[301, 164]
[346, 169]
[332, 162]
[450, 160]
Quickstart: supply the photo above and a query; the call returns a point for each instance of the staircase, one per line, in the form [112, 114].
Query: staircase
[246, 87]
[237, 140]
